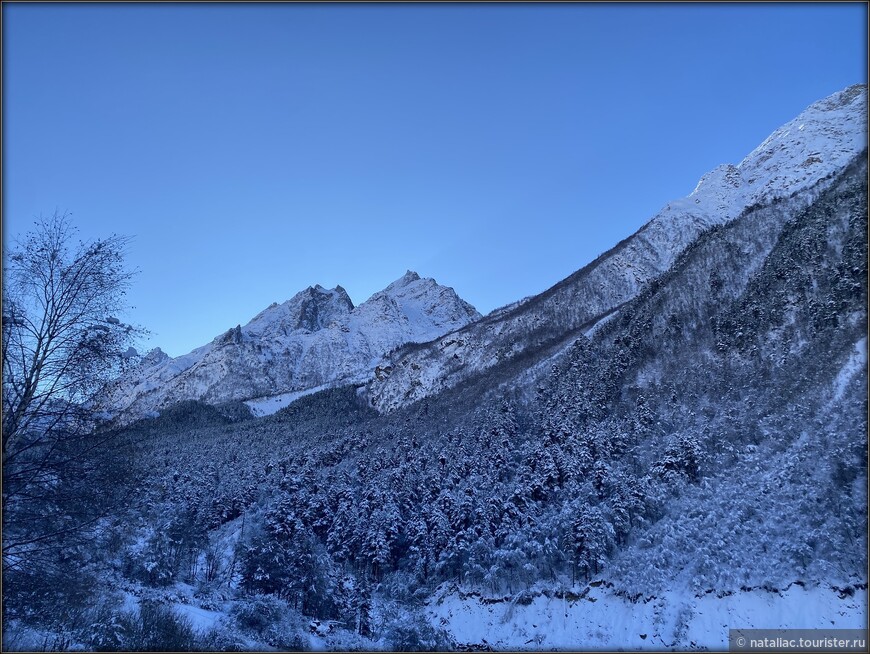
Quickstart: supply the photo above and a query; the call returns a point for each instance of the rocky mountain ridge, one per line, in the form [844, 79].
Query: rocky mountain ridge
[313, 340]
[800, 155]
[416, 338]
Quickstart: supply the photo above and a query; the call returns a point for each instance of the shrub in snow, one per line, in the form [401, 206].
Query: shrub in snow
[105, 630]
[411, 633]
[342, 640]
[270, 620]
[156, 628]
[219, 639]
[258, 612]
[152, 564]
[57, 596]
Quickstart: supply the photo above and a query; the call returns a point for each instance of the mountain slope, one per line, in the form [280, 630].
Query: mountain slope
[315, 339]
[744, 368]
[695, 460]
[805, 151]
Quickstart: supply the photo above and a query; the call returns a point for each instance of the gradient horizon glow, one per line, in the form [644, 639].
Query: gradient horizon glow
[255, 150]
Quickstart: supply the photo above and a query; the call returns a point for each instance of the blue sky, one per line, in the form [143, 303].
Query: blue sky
[254, 150]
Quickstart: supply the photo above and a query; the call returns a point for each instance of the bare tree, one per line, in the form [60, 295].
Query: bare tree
[62, 343]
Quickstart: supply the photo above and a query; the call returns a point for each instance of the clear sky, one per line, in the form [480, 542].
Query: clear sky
[254, 150]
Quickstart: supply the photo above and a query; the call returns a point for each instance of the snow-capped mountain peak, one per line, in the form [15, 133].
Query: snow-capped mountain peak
[155, 356]
[311, 310]
[408, 278]
[315, 339]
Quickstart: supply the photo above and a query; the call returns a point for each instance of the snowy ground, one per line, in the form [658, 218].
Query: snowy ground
[201, 619]
[266, 406]
[602, 620]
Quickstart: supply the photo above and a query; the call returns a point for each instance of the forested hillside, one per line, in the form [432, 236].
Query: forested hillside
[707, 437]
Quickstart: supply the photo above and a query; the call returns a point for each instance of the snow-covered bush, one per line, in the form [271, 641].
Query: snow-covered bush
[411, 633]
[257, 613]
[153, 563]
[220, 639]
[156, 628]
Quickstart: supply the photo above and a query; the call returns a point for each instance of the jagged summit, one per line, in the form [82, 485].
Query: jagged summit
[155, 356]
[312, 309]
[408, 278]
[314, 339]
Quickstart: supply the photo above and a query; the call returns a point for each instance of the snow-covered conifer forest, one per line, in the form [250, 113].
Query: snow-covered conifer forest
[668, 443]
